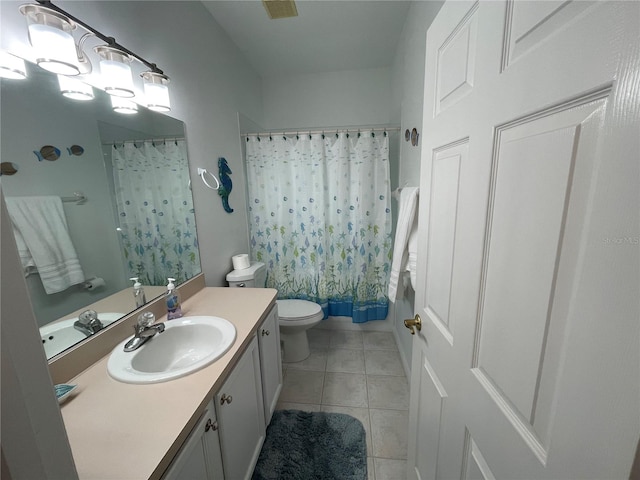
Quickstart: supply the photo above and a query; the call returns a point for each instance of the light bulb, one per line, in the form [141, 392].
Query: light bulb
[50, 35]
[156, 91]
[12, 67]
[115, 71]
[74, 88]
[122, 105]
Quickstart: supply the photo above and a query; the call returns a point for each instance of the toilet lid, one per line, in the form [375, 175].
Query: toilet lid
[292, 310]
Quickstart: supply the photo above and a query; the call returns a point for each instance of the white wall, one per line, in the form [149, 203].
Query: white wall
[329, 99]
[407, 99]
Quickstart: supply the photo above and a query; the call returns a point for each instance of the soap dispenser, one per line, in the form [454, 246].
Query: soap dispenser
[174, 310]
[138, 293]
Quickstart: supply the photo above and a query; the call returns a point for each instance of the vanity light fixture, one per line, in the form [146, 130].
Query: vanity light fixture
[51, 34]
[75, 89]
[12, 67]
[122, 105]
[116, 72]
[156, 91]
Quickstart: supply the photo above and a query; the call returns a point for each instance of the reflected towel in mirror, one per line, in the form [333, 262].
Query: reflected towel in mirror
[43, 241]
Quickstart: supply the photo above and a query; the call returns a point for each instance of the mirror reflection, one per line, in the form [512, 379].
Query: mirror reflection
[120, 187]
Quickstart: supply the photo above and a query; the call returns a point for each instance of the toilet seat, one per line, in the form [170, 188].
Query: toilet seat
[298, 311]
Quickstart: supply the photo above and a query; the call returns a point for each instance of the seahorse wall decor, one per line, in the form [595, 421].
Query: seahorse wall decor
[225, 183]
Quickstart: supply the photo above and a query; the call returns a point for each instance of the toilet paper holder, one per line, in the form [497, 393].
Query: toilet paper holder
[93, 283]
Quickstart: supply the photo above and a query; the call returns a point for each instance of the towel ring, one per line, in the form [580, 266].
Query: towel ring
[201, 172]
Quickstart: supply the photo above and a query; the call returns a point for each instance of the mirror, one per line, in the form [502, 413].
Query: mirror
[137, 218]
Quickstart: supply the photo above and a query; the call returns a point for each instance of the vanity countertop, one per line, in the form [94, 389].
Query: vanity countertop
[123, 431]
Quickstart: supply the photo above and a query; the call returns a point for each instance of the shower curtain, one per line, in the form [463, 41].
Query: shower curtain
[320, 219]
[155, 210]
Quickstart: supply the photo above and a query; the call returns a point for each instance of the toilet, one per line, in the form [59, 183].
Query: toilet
[295, 317]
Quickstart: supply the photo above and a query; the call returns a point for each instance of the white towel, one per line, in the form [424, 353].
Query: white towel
[412, 247]
[43, 240]
[406, 217]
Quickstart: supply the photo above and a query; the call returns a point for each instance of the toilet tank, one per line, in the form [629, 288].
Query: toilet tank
[254, 276]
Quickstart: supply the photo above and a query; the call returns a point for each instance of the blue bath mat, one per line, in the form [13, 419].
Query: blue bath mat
[313, 445]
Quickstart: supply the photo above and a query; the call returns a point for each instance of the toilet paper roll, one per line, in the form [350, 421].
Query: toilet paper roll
[94, 283]
[240, 262]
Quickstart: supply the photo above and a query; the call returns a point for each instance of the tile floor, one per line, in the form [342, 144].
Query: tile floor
[360, 374]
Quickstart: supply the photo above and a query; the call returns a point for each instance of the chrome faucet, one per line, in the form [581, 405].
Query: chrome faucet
[88, 323]
[144, 329]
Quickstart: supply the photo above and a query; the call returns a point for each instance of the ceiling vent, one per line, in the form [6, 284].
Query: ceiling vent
[280, 8]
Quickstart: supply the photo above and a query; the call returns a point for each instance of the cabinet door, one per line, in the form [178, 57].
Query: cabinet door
[194, 461]
[241, 416]
[211, 440]
[270, 362]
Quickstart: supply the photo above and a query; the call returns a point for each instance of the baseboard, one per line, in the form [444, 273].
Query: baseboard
[406, 363]
[345, 323]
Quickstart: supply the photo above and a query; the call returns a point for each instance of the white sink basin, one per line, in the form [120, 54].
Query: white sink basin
[186, 345]
[58, 336]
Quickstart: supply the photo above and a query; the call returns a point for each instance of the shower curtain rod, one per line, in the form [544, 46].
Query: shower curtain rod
[323, 131]
[162, 139]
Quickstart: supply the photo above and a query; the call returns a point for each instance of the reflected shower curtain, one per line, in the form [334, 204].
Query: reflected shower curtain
[320, 219]
[155, 210]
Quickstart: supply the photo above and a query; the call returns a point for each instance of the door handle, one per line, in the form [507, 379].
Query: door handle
[413, 322]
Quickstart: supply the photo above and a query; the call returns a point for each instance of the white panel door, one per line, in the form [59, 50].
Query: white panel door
[528, 361]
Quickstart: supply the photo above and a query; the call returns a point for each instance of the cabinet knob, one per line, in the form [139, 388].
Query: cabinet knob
[211, 426]
[225, 399]
[265, 332]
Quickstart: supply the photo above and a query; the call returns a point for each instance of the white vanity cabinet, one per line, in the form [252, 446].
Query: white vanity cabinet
[226, 442]
[199, 458]
[240, 413]
[270, 362]
[229, 448]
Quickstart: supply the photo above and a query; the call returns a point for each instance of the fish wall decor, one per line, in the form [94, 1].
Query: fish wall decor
[76, 150]
[48, 152]
[8, 168]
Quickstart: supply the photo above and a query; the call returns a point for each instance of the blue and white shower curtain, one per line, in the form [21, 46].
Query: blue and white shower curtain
[155, 210]
[320, 219]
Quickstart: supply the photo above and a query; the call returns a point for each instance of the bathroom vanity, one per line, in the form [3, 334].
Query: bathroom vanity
[208, 424]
